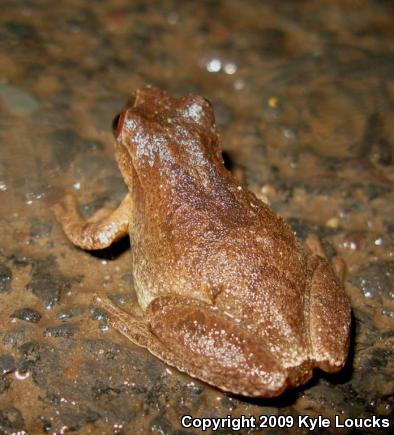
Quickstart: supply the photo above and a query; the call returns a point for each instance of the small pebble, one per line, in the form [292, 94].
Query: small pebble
[65, 331]
[11, 420]
[332, 222]
[98, 314]
[103, 326]
[5, 278]
[7, 364]
[68, 314]
[18, 102]
[15, 338]
[273, 102]
[27, 314]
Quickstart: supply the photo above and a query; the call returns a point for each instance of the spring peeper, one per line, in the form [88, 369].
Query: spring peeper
[226, 292]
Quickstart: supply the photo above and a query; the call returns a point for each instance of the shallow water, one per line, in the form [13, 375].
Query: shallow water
[303, 94]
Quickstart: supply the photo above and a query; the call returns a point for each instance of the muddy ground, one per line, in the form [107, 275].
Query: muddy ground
[303, 93]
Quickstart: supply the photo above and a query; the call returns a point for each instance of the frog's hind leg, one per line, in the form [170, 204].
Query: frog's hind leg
[328, 311]
[314, 245]
[130, 325]
[93, 235]
[195, 338]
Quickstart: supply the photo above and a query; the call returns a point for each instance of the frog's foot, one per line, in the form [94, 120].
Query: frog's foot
[93, 235]
[314, 244]
[197, 339]
[130, 325]
[329, 317]
[339, 266]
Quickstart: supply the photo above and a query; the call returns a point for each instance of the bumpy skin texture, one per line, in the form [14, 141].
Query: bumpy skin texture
[227, 293]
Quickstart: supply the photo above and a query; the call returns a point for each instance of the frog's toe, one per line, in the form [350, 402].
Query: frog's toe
[329, 319]
[205, 343]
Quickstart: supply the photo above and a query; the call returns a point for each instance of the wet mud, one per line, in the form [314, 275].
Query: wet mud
[303, 94]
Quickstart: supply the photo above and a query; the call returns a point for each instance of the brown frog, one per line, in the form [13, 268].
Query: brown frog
[227, 293]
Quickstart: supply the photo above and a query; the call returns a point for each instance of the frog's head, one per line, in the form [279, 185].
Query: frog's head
[156, 130]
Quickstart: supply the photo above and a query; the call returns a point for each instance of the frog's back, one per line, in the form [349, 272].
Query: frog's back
[258, 275]
[244, 260]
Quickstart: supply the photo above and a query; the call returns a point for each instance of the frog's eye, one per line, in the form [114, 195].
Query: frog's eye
[115, 123]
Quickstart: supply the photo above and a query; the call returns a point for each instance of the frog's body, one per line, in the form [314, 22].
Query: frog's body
[228, 294]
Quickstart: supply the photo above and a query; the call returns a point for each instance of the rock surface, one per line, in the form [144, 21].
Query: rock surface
[303, 94]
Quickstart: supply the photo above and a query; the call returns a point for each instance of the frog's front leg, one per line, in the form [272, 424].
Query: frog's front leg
[93, 235]
[327, 309]
[198, 339]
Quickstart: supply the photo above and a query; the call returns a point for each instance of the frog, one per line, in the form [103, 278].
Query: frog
[226, 292]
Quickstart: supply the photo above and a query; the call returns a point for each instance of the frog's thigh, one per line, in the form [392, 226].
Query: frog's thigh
[98, 235]
[199, 340]
[329, 316]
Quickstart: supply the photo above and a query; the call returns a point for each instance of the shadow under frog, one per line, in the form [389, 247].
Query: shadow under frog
[226, 292]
